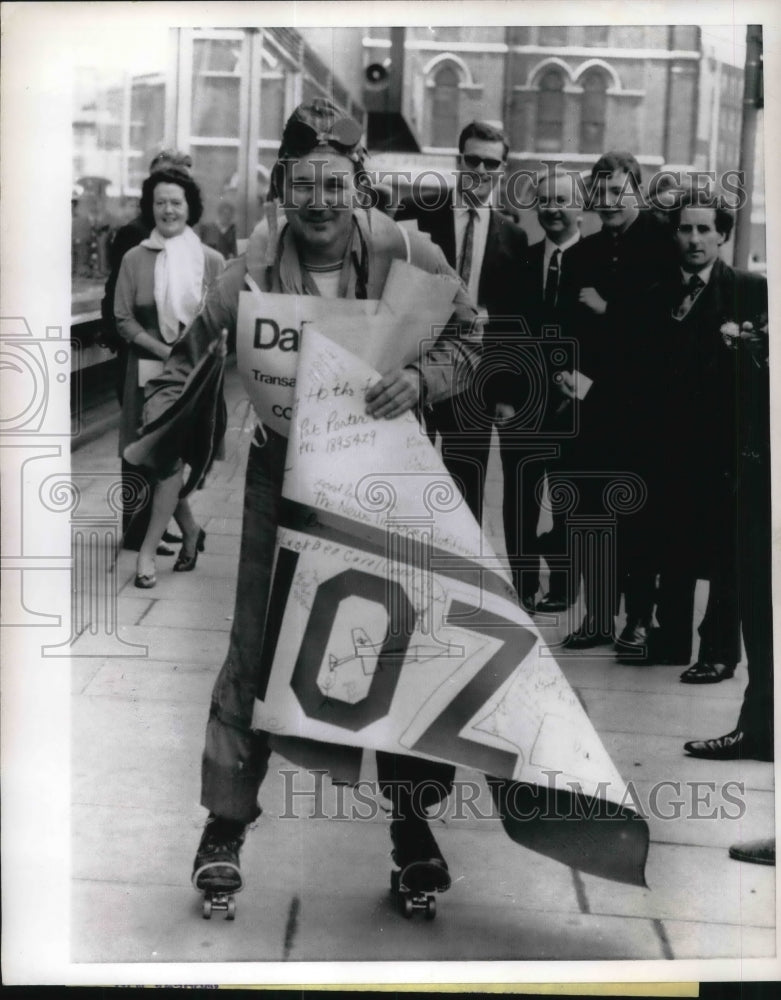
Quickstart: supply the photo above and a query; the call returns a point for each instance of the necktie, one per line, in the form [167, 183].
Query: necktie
[691, 289]
[465, 268]
[552, 281]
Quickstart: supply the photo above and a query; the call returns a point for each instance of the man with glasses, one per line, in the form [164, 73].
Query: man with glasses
[486, 248]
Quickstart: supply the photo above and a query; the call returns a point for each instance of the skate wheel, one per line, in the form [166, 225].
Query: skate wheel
[231, 909]
[431, 908]
[406, 906]
[206, 908]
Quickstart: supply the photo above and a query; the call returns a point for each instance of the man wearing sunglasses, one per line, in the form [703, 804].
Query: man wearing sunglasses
[486, 248]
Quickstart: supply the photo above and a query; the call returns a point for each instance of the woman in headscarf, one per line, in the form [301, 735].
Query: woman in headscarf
[159, 291]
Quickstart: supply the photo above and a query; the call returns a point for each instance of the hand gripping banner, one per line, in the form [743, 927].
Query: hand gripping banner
[393, 626]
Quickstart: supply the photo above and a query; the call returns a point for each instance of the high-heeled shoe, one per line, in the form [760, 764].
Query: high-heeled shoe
[145, 581]
[185, 563]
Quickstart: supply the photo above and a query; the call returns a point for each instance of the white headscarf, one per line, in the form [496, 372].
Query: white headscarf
[179, 270]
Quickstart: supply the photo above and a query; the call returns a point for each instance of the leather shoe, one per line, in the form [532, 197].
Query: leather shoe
[587, 637]
[703, 672]
[172, 538]
[185, 562]
[657, 652]
[757, 852]
[528, 603]
[736, 745]
[551, 604]
[633, 641]
[164, 550]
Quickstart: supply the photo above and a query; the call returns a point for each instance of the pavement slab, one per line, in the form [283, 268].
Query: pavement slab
[710, 940]
[691, 883]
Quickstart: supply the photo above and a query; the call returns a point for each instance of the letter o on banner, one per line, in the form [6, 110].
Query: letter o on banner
[376, 705]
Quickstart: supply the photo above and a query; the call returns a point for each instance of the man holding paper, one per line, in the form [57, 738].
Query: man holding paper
[326, 251]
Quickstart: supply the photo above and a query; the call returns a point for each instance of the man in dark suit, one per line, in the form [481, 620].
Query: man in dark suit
[486, 248]
[519, 383]
[699, 474]
[752, 737]
[608, 276]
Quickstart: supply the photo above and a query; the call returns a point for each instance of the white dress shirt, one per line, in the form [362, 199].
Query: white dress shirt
[480, 237]
[703, 275]
[548, 251]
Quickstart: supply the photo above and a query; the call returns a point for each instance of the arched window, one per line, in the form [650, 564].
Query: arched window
[555, 34]
[596, 34]
[444, 107]
[550, 111]
[592, 112]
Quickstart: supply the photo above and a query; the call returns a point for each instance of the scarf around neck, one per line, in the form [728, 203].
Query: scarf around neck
[275, 252]
[179, 273]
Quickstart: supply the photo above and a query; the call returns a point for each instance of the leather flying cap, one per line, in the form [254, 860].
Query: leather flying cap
[321, 123]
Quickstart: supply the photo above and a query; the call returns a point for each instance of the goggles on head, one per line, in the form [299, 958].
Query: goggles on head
[301, 137]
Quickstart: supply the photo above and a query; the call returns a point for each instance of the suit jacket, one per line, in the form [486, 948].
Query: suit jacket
[617, 349]
[705, 407]
[710, 409]
[505, 248]
[521, 363]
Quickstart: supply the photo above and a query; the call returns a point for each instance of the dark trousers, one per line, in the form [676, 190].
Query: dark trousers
[466, 443]
[698, 538]
[524, 471]
[413, 784]
[756, 607]
[719, 630]
[592, 529]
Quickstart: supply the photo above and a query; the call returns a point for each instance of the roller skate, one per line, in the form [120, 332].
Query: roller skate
[422, 870]
[216, 871]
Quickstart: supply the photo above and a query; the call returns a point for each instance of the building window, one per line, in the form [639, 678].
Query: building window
[596, 34]
[553, 35]
[444, 107]
[550, 112]
[592, 112]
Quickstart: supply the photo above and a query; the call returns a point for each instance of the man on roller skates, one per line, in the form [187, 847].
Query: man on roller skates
[327, 245]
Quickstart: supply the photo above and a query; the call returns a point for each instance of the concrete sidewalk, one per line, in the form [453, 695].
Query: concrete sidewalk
[317, 889]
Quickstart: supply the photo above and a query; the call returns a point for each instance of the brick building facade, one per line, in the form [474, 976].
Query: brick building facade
[567, 93]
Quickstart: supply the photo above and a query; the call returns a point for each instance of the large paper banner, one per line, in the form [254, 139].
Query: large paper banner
[399, 628]
[393, 626]
[385, 333]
